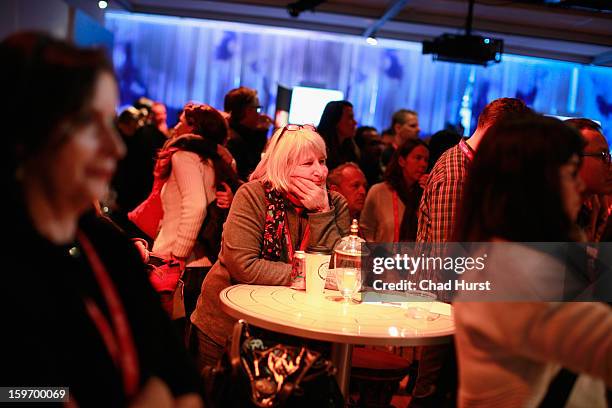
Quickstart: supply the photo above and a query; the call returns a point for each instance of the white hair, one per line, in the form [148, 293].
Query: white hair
[283, 153]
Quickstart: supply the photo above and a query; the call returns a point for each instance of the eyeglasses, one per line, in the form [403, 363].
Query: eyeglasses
[258, 108]
[604, 156]
[293, 128]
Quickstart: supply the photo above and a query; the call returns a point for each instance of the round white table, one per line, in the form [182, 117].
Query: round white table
[285, 310]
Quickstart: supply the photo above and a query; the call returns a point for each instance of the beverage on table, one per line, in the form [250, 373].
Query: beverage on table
[317, 265]
[298, 270]
[348, 280]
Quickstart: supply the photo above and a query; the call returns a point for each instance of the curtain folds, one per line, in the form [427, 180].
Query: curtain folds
[175, 60]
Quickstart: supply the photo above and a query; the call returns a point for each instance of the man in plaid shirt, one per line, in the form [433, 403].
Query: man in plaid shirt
[438, 208]
[437, 215]
[440, 202]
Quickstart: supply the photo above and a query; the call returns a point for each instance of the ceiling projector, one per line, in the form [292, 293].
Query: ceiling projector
[465, 49]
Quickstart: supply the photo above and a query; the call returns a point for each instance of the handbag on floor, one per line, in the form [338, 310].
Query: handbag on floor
[254, 372]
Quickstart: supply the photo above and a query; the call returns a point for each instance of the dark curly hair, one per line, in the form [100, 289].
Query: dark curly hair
[209, 130]
[206, 121]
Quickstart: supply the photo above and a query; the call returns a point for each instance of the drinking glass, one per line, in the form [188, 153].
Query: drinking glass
[348, 281]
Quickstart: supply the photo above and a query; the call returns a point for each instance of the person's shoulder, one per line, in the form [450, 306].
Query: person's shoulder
[114, 247]
[253, 186]
[190, 163]
[340, 208]
[250, 197]
[446, 166]
[103, 227]
[252, 191]
[447, 158]
[183, 155]
[232, 134]
[381, 187]
[234, 139]
[150, 132]
[377, 186]
[336, 198]
[380, 191]
[107, 237]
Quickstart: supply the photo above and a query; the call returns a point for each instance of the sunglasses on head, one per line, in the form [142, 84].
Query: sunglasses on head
[293, 128]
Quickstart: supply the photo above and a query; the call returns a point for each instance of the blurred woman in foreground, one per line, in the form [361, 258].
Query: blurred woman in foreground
[79, 311]
[524, 187]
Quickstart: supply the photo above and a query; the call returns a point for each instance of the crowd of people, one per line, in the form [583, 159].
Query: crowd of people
[225, 202]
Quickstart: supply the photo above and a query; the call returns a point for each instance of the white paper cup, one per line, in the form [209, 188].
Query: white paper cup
[317, 266]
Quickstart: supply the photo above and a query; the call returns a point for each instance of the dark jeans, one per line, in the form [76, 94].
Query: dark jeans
[436, 383]
[193, 278]
[205, 351]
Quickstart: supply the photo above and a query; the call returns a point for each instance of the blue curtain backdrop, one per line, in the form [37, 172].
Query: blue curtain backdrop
[175, 60]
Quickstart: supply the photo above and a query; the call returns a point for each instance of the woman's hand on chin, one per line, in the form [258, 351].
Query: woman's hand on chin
[312, 196]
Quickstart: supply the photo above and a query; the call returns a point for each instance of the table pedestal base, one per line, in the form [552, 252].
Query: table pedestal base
[341, 357]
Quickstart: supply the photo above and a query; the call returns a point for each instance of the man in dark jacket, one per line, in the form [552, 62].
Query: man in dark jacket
[248, 128]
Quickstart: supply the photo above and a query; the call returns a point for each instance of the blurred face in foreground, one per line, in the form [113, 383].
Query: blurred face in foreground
[571, 187]
[78, 167]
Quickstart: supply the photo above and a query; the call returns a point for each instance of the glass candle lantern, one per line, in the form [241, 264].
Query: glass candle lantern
[347, 263]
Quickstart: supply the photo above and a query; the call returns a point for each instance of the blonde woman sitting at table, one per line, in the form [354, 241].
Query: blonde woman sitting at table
[284, 207]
